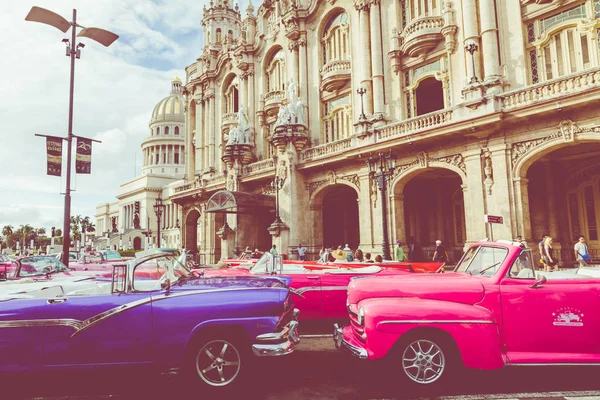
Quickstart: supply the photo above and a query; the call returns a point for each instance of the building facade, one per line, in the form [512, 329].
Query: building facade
[131, 222]
[487, 107]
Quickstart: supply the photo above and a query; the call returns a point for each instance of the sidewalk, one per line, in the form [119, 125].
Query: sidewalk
[577, 395]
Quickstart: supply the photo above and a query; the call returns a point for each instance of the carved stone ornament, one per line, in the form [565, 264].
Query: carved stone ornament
[488, 171]
[423, 161]
[354, 179]
[282, 170]
[331, 177]
[362, 5]
[567, 131]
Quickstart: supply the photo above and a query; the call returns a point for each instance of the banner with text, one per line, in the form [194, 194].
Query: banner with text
[54, 155]
[83, 160]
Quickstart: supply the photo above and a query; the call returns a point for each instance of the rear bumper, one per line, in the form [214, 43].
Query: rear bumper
[278, 343]
[345, 345]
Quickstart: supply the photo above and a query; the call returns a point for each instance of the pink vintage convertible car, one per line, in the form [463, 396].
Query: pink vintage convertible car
[495, 310]
[321, 288]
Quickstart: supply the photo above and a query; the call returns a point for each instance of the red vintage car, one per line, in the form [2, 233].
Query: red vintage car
[321, 288]
[40, 268]
[495, 310]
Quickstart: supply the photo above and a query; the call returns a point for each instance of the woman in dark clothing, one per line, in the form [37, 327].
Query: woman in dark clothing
[549, 256]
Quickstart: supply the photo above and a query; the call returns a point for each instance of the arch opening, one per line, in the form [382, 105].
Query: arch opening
[430, 96]
[340, 217]
[430, 207]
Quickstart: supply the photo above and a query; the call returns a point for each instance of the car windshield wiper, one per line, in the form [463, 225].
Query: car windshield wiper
[481, 271]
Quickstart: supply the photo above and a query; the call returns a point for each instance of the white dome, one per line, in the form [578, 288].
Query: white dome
[170, 109]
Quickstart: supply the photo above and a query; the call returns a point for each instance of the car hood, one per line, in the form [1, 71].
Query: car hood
[459, 288]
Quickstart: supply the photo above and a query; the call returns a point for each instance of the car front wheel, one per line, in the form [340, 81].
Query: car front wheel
[218, 362]
[423, 361]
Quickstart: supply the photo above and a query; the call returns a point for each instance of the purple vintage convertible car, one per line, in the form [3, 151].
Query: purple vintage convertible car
[153, 311]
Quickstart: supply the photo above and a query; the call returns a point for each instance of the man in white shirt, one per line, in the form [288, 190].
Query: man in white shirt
[301, 252]
[581, 252]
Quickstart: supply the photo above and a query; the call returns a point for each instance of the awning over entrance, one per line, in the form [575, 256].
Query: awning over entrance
[228, 202]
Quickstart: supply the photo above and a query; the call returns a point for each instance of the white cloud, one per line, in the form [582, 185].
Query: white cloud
[116, 89]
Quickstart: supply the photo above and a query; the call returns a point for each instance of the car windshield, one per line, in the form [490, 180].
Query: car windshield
[263, 265]
[150, 272]
[111, 255]
[482, 260]
[35, 266]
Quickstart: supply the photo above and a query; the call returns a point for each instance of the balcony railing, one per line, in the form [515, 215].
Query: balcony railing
[551, 89]
[416, 124]
[325, 149]
[259, 166]
[274, 95]
[337, 65]
[422, 35]
[229, 119]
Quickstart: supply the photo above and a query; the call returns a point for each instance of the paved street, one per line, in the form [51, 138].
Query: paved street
[315, 371]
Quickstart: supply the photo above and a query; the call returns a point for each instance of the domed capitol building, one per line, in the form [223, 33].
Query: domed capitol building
[333, 122]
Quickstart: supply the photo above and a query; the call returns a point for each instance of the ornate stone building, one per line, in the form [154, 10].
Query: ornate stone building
[487, 107]
[131, 221]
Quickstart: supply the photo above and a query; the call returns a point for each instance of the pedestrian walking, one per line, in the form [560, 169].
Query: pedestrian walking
[399, 251]
[274, 250]
[440, 254]
[301, 252]
[549, 256]
[581, 252]
[541, 250]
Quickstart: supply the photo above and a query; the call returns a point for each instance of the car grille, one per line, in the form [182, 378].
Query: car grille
[357, 329]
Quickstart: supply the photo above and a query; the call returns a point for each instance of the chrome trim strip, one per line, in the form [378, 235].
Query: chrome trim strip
[433, 321]
[322, 288]
[32, 323]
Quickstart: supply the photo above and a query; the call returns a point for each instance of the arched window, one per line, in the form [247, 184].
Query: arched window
[166, 130]
[158, 130]
[426, 88]
[336, 39]
[218, 35]
[276, 76]
[557, 45]
[176, 130]
[231, 96]
[415, 9]
[430, 96]
[337, 120]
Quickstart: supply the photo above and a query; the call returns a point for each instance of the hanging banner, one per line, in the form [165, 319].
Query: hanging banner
[83, 160]
[54, 155]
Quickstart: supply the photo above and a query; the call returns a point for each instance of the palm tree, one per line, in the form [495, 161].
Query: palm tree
[7, 232]
[41, 231]
[75, 233]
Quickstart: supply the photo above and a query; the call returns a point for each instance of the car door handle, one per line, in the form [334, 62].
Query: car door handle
[57, 301]
[312, 277]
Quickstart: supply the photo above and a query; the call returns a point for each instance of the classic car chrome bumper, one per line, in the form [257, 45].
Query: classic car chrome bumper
[343, 344]
[278, 343]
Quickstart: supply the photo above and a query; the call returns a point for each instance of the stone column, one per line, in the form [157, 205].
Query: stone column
[293, 61]
[303, 78]
[251, 100]
[398, 211]
[376, 58]
[522, 208]
[470, 32]
[211, 132]
[551, 202]
[496, 179]
[243, 97]
[489, 42]
[316, 220]
[369, 216]
[473, 197]
[365, 47]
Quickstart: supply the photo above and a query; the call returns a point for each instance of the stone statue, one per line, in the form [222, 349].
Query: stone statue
[241, 133]
[292, 92]
[242, 119]
[232, 136]
[293, 113]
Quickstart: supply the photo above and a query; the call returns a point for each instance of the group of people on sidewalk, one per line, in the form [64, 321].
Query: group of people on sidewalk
[549, 257]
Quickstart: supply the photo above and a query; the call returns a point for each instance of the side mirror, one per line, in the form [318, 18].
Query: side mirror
[166, 285]
[540, 280]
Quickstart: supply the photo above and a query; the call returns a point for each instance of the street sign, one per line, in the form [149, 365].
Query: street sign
[493, 219]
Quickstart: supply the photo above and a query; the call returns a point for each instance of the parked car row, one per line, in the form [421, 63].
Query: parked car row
[494, 310]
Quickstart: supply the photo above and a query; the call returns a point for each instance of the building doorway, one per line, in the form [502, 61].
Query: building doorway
[340, 217]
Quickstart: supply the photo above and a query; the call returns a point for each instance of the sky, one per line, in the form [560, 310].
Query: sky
[116, 89]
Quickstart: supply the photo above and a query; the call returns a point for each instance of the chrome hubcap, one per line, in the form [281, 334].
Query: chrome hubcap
[218, 363]
[423, 361]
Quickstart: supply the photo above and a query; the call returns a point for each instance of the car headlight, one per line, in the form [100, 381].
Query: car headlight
[361, 315]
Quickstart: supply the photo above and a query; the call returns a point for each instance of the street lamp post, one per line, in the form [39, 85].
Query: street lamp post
[277, 184]
[361, 92]
[382, 169]
[158, 210]
[106, 38]
[471, 47]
